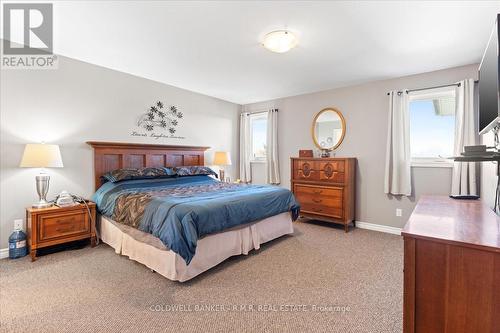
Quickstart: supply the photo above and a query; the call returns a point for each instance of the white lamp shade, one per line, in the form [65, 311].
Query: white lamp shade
[222, 158]
[38, 155]
[280, 41]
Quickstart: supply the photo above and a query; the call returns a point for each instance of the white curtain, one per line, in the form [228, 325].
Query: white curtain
[273, 167]
[464, 180]
[398, 157]
[245, 148]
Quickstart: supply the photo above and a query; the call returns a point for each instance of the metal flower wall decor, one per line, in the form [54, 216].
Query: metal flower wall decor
[159, 116]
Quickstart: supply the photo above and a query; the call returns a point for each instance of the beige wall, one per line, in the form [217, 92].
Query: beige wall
[80, 102]
[365, 109]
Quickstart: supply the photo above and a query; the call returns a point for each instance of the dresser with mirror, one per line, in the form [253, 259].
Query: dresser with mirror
[324, 185]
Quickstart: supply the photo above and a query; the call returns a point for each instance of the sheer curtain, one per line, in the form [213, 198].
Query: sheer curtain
[464, 179]
[397, 163]
[272, 159]
[245, 148]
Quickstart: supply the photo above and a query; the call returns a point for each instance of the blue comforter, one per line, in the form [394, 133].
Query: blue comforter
[181, 210]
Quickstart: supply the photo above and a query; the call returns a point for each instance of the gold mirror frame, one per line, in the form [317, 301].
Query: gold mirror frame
[342, 120]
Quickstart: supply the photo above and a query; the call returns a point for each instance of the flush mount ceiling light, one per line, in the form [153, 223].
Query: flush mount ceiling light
[280, 41]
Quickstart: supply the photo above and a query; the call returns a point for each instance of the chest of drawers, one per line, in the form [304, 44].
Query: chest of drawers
[325, 188]
[451, 267]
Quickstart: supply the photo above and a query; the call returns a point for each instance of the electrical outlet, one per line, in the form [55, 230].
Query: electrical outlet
[399, 212]
[18, 224]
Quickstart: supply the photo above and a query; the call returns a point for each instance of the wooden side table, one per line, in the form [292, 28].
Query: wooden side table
[58, 225]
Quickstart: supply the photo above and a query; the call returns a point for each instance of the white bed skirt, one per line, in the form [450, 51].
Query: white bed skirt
[210, 251]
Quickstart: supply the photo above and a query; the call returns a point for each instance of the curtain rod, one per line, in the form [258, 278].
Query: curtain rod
[434, 87]
[260, 111]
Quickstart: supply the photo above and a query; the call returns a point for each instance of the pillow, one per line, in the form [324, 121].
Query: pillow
[194, 171]
[142, 173]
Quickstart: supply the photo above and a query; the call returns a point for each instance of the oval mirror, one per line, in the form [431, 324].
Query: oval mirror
[328, 129]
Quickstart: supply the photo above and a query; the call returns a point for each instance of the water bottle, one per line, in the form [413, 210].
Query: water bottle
[17, 244]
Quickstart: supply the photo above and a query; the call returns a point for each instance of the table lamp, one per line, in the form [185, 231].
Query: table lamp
[39, 155]
[221, 159]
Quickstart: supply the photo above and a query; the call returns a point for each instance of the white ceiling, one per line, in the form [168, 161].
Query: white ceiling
[213, 47]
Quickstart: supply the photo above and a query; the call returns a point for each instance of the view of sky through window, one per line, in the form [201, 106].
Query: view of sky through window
[431, 134]
[259, 137]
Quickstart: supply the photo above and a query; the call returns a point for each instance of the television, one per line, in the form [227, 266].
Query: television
[489, 83]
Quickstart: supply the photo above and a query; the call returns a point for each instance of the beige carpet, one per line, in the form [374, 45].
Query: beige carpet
[354, 278]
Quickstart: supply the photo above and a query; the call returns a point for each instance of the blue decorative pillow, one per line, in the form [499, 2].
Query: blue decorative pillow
[194, 171]
[142, 173]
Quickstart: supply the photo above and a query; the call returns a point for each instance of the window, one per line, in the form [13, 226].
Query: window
[432, 127]
[258, 130]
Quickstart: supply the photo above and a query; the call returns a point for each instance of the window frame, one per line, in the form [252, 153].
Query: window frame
[431, 162]
[253, 117]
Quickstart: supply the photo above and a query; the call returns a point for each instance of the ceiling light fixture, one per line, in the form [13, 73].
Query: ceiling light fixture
[280, 41]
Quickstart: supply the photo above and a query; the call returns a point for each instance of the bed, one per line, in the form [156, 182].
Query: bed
[184, 224]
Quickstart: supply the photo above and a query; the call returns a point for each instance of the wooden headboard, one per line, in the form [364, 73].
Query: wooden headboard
[116, 155]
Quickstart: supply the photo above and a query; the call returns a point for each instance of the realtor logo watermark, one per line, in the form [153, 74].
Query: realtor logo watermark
[28, 36]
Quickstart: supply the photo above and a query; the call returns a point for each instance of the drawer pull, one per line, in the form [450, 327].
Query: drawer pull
[318, 209]
[318, 191]
[317, 200]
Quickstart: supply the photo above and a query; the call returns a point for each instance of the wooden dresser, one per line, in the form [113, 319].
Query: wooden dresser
[325, 187]
[451, 267]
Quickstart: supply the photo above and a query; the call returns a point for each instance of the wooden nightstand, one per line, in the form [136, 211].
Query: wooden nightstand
[57, 225]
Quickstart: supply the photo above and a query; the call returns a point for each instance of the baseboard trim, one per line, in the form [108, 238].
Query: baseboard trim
[4, 253]
[378, 227]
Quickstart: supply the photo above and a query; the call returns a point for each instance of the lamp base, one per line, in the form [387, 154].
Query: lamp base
[42, 187]
[221, 175]
[42, 204]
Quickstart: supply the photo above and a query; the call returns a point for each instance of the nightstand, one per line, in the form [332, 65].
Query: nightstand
[58, 225]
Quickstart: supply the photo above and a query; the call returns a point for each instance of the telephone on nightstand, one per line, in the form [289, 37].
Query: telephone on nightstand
[65, 199]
